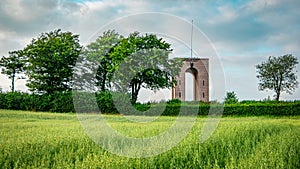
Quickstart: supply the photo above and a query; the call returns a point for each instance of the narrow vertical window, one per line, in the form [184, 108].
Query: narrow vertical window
[179, 94]
[203, 83]
[203, 94]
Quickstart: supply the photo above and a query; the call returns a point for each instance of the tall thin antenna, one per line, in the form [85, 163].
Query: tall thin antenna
[192, 40]
[191, 63]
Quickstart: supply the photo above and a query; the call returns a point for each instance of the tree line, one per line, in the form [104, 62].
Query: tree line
[49, 63]
[115, 62]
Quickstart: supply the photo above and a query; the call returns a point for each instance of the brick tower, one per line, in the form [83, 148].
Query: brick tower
[200, 71]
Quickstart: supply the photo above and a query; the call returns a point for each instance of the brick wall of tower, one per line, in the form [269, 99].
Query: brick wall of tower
[201, 71]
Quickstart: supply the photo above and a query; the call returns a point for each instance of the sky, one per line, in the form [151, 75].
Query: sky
[242, 33]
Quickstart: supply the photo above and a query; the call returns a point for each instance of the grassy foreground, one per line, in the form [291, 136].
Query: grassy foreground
[47, 140]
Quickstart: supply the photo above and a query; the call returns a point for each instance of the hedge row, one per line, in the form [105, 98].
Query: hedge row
[106, 101]
[57, 102]
[275, 109]
[258, 109]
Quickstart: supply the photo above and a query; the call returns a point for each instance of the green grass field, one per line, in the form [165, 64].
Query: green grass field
[48, 140]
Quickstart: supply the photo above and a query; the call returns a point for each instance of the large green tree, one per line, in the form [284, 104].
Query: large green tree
[278, 74]
[51, 59]
[12, 65]
[143, 61]
[99, 52]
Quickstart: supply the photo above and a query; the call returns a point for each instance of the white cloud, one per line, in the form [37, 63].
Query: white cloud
[225, 14]
[23, 11]
[260, 5]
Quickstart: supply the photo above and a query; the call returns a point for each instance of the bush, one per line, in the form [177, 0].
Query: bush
[2, 101]
[230, 98]
[105, 102]
[142, 107]
[62, 102]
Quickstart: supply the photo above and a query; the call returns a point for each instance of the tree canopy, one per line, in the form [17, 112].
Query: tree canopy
[12, 65]
[230, 98]
[139, 60]
[143, 61]
[99, 52]
[51, 59]
[126, 64]
[278, 74]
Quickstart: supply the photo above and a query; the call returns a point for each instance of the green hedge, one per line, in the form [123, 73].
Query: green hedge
[106, 101]
[263, 108]
[57, 102]
[238, 109]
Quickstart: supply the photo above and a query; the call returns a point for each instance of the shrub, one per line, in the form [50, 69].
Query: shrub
[62, 102]
[105, 102]
[2, 101]
[14, 100]
[231, 98]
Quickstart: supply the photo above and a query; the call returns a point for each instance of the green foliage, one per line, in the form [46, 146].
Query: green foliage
[62, 102]
[263, 109]
[14, 101]
[127, 64]
[99, 52]
[106, 101]
[174, 101]
[278, 74]
[248, 108]
[12, 65]
[47, 140]
[142, 107]
[2, 100]
[231, 98]
[57, 102]
[51, 58]
[142, 61]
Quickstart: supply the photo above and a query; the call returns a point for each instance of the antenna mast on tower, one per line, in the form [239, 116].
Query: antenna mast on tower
[191, 62]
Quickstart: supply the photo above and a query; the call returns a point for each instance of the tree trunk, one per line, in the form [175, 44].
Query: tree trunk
[103, 81]
[277, 96]
[13, 83]
[279, 87]
[135, 88]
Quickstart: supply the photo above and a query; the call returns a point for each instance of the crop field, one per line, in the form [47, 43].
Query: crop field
[57, 140]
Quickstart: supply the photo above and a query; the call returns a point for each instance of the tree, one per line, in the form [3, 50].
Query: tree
[278, 74]
[99, 52]
[12, 65]
[142, 61]
[51, 60]
[231, 97]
